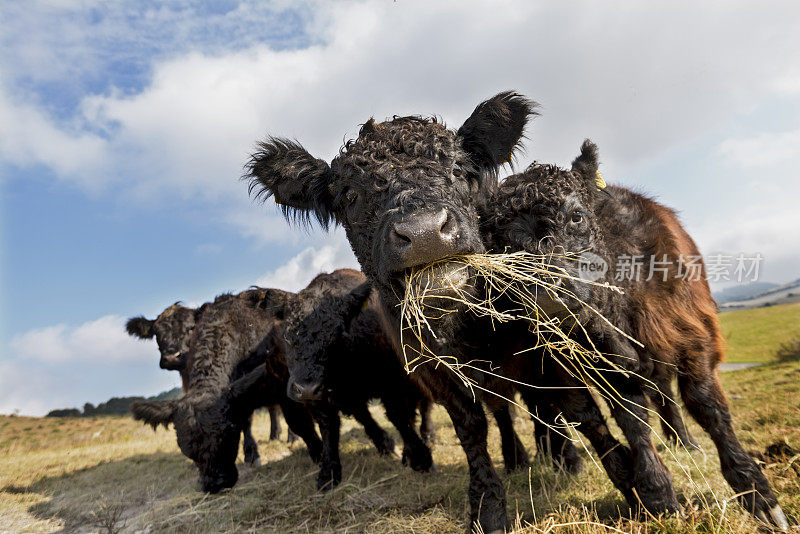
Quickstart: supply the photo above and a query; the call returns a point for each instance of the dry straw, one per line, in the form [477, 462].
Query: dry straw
[518, 280]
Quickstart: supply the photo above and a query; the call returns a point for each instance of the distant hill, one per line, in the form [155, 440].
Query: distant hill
[742, 292]
[113, 406]
[782, 294]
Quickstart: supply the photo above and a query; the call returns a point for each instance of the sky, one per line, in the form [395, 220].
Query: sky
[124, 127]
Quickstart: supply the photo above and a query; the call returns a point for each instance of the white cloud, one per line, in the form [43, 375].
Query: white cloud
[621, 75]
[34, 388]
[763, 185]
[298, 272]
[29, 137]
[64, 366]
[101, 341]
[766, 149]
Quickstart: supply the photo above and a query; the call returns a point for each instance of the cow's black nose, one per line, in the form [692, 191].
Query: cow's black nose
[304, 392]
[424, 237]
[216, 482]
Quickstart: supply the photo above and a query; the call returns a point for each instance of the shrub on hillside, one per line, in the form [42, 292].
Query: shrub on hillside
[789, 352]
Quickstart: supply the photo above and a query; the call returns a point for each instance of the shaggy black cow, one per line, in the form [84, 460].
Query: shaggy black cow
[410, 192]
[232, 371]
[172, 330]
[670, 310]
[339, 359]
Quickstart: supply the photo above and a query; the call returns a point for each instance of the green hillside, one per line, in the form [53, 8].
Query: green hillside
[754, 335]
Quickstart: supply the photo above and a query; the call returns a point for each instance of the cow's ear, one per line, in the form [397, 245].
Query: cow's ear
[587, 163]
[354, 303]
[140, 327]
[298, 181]
[494, 130]
[248, 390]
[155, 413]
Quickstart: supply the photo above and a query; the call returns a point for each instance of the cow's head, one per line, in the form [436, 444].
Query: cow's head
[172, 329]
[551, 211]
[408, 191]
[316, 333]
[208, 425]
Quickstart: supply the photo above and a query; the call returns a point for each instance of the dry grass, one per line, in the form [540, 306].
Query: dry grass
[78, 483]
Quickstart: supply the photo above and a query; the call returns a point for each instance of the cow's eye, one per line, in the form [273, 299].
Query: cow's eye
[351, 196]
[577, 217]
[457, 170]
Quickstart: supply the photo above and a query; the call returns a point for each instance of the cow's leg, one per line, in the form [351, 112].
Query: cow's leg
[383, 441]
[274, 422]
[651, 479]
[551, 443]
[515, 456]
[426, 429]
[705, 400]
[579, 407]
[249, 446]
[330, 471]
[539, 401]
[401, 411]
[672, 423]
[487, 497]
[300, 422]
[291, 437]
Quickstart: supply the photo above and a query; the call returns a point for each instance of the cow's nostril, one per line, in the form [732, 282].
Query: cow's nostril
[402, 237]
[425, 236]
[449, 226]
[306, 392]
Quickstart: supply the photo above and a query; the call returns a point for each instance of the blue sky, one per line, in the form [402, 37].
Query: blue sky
[124, 128]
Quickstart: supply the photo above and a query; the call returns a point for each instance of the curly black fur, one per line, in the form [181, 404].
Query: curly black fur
[335, 344]
[226, 379]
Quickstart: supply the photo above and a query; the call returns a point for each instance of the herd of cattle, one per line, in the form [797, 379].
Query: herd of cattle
[410, 192]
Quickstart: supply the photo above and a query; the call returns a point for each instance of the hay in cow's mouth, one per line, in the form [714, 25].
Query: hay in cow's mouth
[520, 279]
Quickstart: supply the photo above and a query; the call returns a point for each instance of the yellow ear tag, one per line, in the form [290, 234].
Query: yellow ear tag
[365, 304]
[599, 181]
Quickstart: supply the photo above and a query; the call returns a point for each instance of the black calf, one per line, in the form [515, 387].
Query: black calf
[339, 359]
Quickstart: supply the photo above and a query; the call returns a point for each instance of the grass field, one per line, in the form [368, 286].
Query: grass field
[754, 335]
[113, 474]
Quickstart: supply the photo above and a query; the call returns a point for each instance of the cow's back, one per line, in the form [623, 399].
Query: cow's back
[672, 313]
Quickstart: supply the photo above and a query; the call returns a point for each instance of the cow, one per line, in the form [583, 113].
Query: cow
[233, 370]
[339, 359]
[552, 211]
[409, 192]
[172, 330]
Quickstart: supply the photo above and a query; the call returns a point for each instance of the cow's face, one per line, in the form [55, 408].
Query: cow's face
[549, 211]
[172, 330]
[316, 334]
[410, 195]
[207, 427]
[208, 434]
[408, 191]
